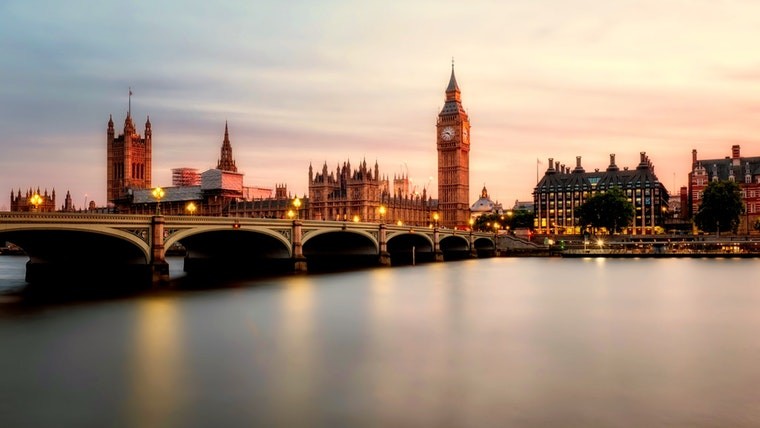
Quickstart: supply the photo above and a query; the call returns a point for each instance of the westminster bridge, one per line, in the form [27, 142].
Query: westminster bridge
[78, 247]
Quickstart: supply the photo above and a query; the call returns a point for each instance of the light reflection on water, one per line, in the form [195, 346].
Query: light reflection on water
[496, 342]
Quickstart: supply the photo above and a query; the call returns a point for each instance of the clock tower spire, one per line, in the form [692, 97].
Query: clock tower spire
[453, 143]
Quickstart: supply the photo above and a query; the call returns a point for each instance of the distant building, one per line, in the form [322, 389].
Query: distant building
[745, 171]
[523, 206]
[485, 206]
[347, 194]
[182, 177]
[128, 160]
[562, 190]
[33, 201]
[216, 192]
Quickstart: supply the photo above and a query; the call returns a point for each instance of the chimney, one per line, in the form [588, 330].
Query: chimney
[693, 157]
[735, 155]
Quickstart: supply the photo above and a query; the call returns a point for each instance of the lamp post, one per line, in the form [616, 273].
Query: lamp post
[191, 208]
[291, 214]
[356, 218]
[158, 193]
[472, 223]
[297, 205]
[435, 219]
[36, 200]
[381, 210]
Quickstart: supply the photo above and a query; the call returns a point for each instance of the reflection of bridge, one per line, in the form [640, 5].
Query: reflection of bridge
[75, 246]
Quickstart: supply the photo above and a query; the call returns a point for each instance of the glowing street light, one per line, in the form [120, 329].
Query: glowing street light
[435, 219]
[472, 222]
[158, 193]
[36, 200]
[297, 205]
[191, 208]
[399, 223]
[291, 214]
[382, 212]
[356, 218]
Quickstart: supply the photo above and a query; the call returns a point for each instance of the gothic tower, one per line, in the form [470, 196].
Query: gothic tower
[453, 142]
[226, 162]
[129, 163]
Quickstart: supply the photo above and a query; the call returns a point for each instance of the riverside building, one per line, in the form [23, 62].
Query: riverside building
[745, 171]
[562, 190]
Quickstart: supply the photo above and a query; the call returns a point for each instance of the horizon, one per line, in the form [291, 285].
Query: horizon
[303, 84]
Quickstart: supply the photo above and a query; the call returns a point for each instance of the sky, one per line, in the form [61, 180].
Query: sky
[309, 82]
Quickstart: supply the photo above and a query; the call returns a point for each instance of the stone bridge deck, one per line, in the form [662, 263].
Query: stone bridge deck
[101, 245]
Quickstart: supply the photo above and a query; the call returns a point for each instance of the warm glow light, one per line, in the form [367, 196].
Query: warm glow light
[297, 203]
[382, 210]
[35, 200]
[291, 214]
[399, 223]
[191, 208]
[158, 193]
[435, 216]
[600, 243]
[356, 218]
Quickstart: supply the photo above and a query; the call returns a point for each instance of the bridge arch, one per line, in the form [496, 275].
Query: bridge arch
[410, 247]
[327, 249]
[219, 252]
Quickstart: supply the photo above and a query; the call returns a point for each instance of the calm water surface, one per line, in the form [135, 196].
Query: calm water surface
[517, 342]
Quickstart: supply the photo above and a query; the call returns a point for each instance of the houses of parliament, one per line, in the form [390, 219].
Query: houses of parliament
[346, 193]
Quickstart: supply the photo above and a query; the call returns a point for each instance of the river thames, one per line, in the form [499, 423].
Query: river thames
[513, 342]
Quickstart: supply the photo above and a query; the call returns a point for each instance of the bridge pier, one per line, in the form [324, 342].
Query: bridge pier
[385, 256]
[438, 254]
[299, 260]
[473, 250]
[159, 268]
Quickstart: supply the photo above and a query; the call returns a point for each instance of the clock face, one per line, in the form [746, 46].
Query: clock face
[447, 133]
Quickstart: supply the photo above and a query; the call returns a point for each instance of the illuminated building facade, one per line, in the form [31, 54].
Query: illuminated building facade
[562, 190]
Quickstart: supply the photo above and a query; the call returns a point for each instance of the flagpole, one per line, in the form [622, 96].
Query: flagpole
[129, 107]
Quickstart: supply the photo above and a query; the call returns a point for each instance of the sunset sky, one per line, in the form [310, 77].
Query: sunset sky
[305, 82]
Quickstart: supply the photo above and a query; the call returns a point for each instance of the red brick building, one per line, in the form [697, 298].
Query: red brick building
[745, 171]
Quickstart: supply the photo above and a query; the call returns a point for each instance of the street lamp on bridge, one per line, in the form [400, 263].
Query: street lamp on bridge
[382, 212]
[435, 219]
[297, 205]
[158, 193]
[191, 208]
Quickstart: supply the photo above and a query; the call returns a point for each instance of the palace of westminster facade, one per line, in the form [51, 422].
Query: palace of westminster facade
[343, 194]
[363, 194]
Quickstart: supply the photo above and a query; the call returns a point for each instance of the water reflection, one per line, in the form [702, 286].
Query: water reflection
[497, 342]
[156, 372]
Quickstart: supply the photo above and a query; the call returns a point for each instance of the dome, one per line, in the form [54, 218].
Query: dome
[484, 204]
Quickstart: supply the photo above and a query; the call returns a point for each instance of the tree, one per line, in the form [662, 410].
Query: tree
[611, 210]
[720, 208]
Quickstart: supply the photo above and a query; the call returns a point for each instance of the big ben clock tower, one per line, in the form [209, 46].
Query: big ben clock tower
[453, 137]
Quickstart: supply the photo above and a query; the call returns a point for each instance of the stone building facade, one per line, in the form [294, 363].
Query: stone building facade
[562, 190]
[453, 144]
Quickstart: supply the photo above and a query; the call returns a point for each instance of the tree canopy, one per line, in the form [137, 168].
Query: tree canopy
[720, 207]
[610, 210]
[518, 219]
